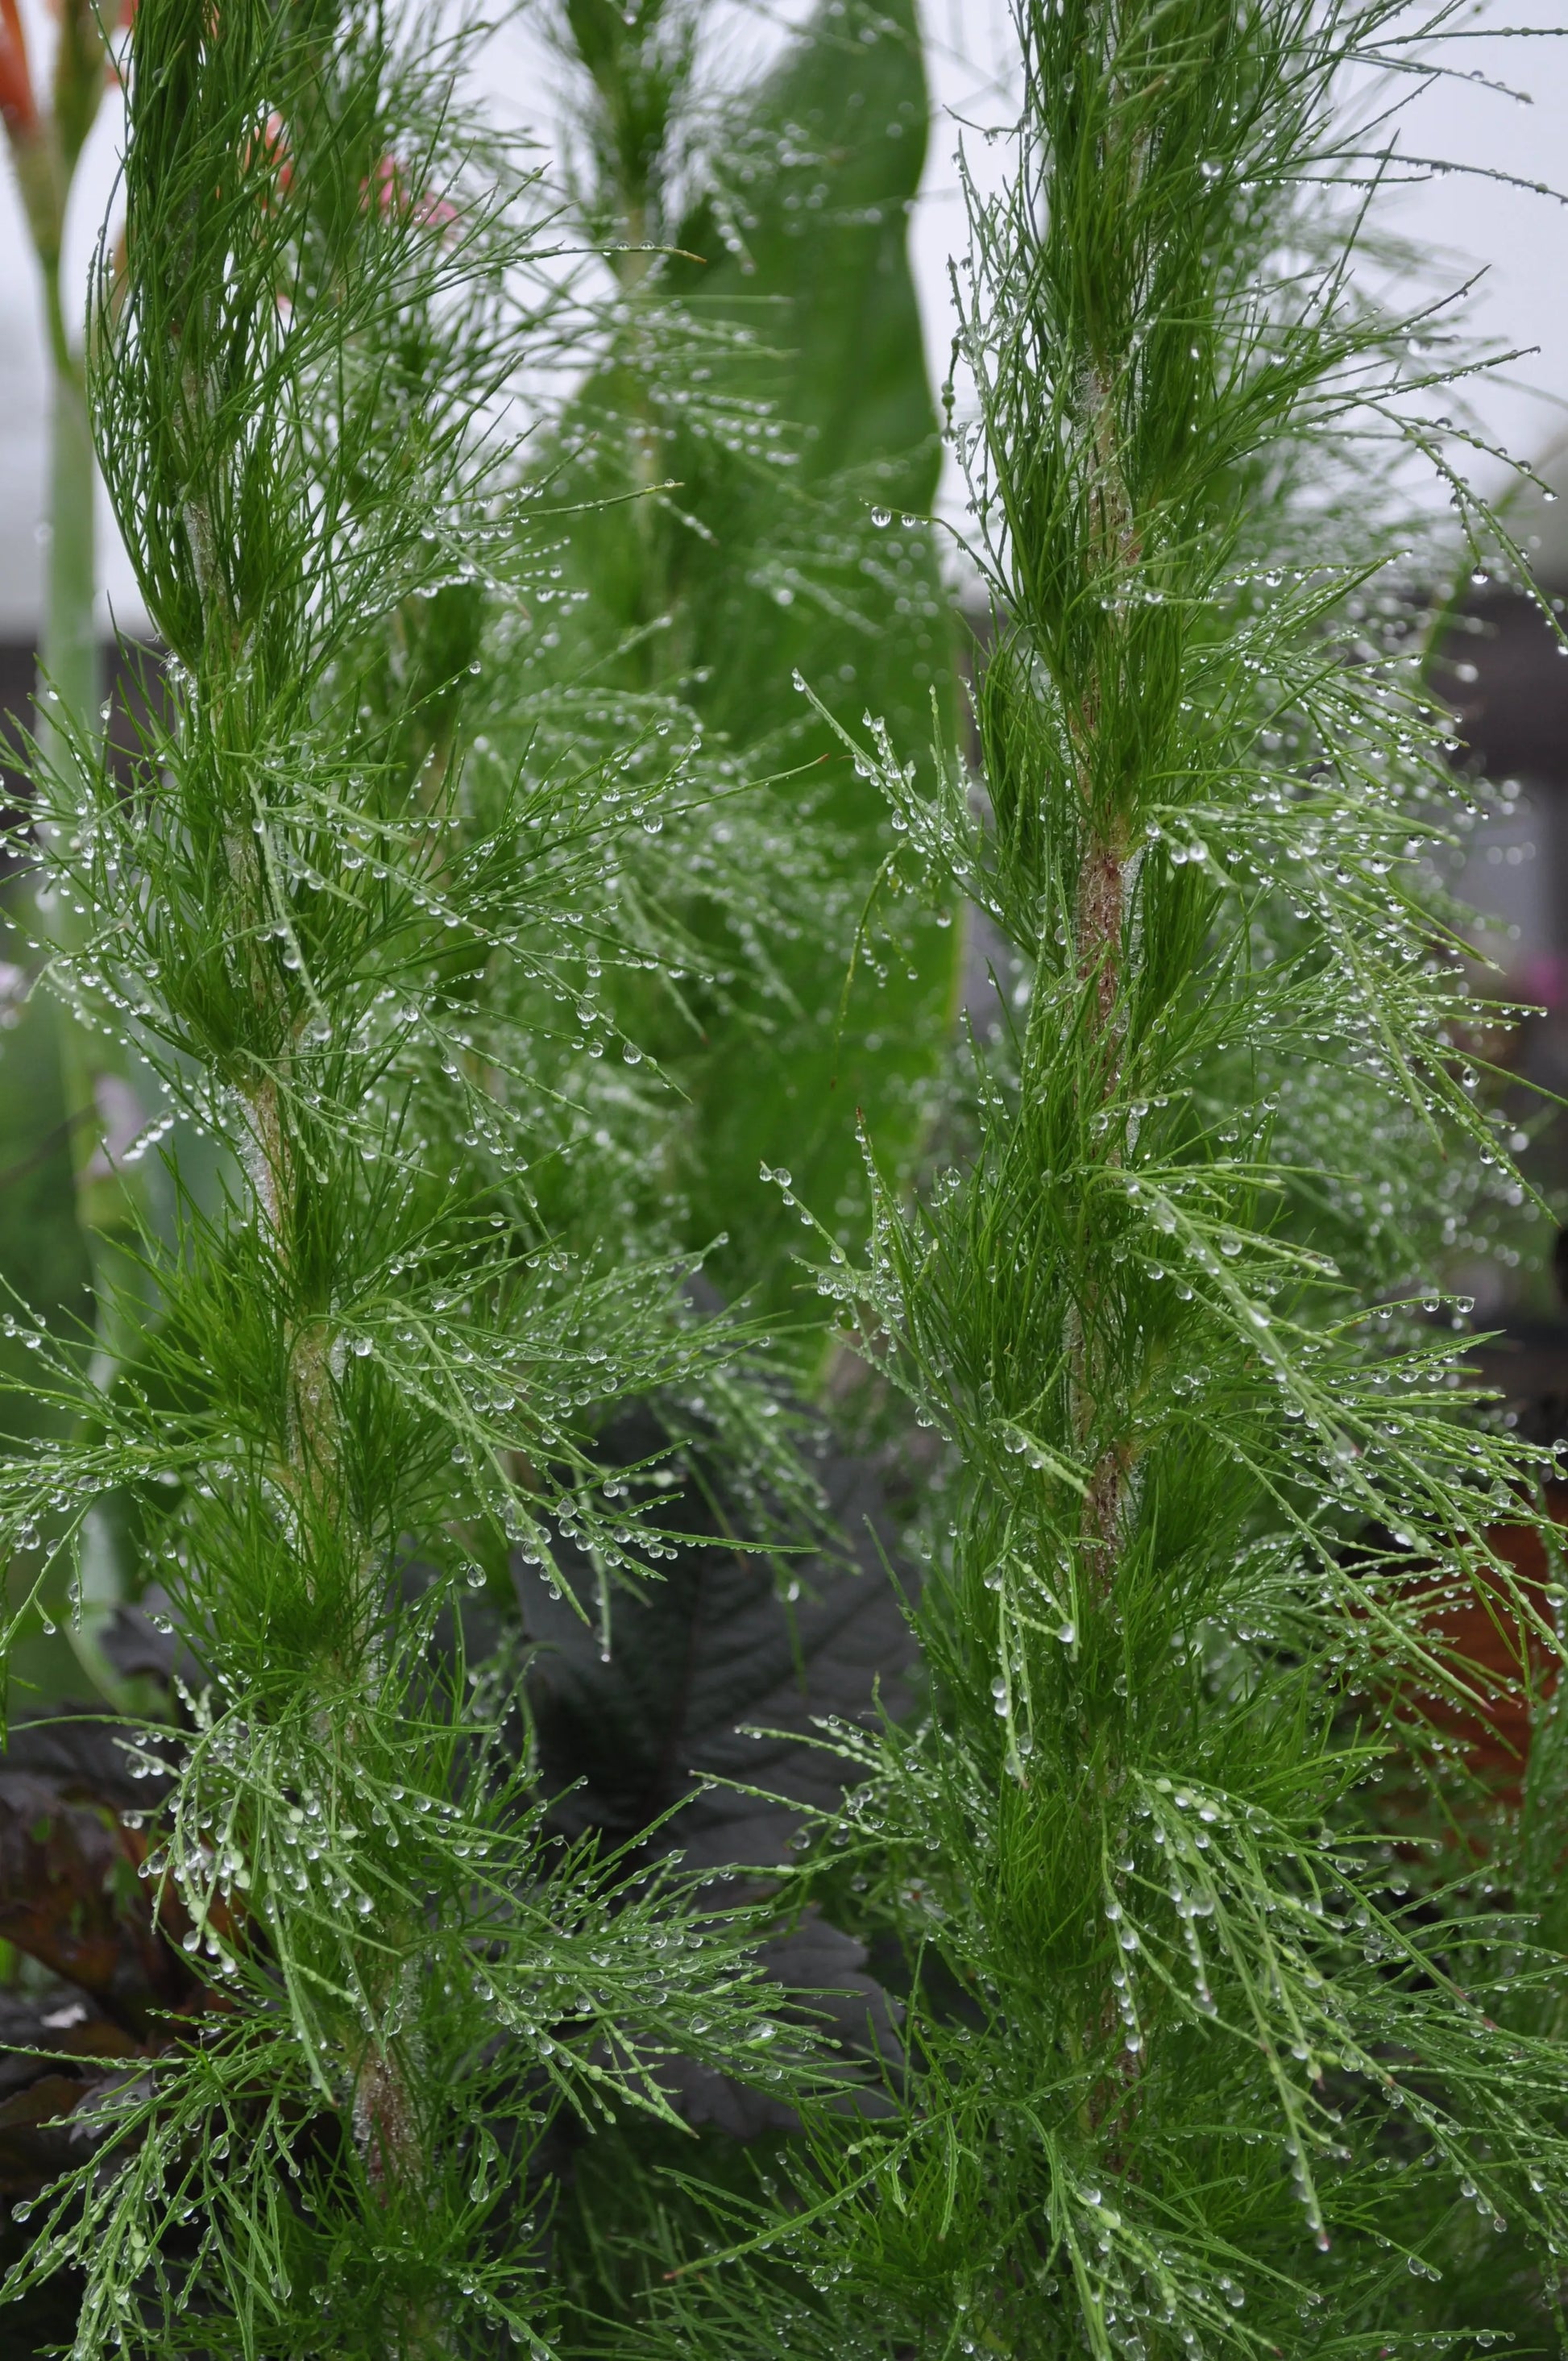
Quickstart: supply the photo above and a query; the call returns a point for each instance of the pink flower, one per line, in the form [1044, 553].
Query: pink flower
[387, 189]
[1545, 979]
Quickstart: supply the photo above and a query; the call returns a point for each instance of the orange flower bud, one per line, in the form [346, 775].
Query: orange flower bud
[269, 146]
[18, 107]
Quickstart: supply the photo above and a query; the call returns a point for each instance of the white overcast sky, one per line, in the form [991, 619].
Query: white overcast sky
[1518, 240]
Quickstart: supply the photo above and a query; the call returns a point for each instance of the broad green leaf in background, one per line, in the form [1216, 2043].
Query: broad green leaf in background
[765, 412]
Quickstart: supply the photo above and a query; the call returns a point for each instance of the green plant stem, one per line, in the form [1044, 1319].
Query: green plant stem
[69, 649]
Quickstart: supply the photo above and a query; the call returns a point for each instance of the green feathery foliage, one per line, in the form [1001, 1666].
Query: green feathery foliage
[1210, 2048]
[381, 1358]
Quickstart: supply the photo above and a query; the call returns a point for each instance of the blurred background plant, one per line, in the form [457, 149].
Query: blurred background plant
[90, 1094]
[754, 457]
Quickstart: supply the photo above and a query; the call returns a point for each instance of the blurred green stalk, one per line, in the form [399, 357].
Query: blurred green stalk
[102, 1102]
